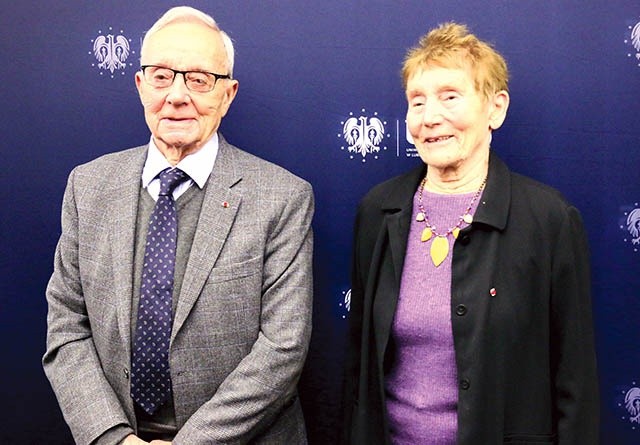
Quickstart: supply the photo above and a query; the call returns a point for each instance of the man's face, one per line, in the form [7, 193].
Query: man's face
[182, 121]
[449, 120]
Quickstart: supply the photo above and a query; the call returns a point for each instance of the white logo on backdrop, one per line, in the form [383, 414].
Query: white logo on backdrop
[631, 404]
[634, 41]
[111, 52]
[410, 150]
[632, 225]
[364, 135]
[346, 301]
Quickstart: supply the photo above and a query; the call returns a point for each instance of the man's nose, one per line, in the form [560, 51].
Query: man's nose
[178, 91]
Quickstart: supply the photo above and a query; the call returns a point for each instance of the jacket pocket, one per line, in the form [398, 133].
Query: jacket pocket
[236, 270]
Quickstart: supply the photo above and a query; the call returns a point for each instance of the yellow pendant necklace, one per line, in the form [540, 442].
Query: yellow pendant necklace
[440, 244]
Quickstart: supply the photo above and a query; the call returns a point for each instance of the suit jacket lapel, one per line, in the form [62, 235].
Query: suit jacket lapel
[219, 209]
[123, 209]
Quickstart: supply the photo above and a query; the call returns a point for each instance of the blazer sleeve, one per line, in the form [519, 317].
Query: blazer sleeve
[264, 383]
[88, 403]
[573, 350]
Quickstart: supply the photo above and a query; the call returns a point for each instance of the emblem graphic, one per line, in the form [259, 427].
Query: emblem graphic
[346, 301]
[632, 225]
[364, 135]
[634, 41]
[111, 52]
[631, 404]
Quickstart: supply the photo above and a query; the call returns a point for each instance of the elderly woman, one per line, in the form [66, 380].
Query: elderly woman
[470, 315]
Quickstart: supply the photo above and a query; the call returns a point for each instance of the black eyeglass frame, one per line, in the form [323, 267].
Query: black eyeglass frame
[184, 76]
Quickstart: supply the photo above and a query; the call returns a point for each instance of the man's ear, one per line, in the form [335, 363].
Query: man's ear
[230, 91]
[138, 79]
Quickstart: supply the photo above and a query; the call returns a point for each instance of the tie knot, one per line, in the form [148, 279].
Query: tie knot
[170, 179]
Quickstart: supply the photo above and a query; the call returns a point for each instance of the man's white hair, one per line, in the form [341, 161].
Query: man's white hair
[189, 14]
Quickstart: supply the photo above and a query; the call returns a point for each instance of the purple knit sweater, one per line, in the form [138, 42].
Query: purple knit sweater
[421, 387]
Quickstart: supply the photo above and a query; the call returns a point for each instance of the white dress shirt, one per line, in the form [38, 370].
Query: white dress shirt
[198, 166]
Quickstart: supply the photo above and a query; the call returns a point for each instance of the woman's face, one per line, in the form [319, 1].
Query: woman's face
[449, 120]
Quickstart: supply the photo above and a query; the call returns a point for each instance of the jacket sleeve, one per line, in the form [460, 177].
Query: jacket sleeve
[88, 403]
[573, 351]
[264, 383]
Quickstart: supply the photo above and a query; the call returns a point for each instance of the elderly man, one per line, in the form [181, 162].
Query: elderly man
[180, 302]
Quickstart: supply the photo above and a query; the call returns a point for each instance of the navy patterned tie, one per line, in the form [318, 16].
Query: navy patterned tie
[150, 378]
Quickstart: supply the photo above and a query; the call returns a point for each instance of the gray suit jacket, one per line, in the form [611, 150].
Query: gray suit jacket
[243, 319]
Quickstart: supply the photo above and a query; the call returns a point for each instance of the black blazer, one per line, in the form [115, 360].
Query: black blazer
[525, 357]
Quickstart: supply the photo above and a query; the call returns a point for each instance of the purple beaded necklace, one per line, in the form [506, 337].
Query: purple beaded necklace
[440, 244]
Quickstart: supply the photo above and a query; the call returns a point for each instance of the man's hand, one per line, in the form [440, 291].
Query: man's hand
[132, 439]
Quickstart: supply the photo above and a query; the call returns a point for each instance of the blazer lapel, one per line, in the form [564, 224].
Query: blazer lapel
[398, 208]
[494, 206]
[398, 225]
[219, 209]
[123, 209]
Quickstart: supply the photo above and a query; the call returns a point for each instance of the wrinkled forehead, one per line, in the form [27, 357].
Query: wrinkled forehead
[463, 68]
[442, 72]
[447, 59]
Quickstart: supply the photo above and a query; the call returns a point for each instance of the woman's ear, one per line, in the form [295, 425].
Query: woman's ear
[498, 112]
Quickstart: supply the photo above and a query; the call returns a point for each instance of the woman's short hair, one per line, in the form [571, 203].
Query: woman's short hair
[451, 45]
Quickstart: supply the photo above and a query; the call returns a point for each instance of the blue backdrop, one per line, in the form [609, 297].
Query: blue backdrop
[304, 68]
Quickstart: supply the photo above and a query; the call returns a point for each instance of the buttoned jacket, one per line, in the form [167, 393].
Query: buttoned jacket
[520, 314]
[242, 323]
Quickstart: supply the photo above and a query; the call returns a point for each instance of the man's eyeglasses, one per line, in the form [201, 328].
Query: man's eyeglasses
[197, 81]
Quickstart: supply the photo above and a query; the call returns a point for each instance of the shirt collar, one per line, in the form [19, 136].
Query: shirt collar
[198, 165]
